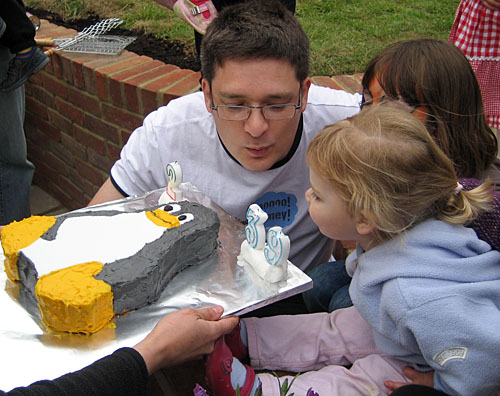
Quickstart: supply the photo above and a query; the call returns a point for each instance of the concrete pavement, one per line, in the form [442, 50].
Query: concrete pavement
[42, 203]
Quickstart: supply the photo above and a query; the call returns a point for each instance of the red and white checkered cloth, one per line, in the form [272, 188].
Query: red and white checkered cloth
[476, 31]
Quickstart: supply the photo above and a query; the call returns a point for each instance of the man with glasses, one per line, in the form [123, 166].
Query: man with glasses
[242, 140]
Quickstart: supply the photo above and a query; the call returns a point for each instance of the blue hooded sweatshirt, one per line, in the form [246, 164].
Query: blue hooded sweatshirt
[432, 297]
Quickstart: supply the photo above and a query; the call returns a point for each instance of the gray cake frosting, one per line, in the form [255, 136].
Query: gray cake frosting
[139, 280]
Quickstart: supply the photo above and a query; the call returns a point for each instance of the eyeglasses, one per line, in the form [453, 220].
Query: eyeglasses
[269, 112]
[367, 100]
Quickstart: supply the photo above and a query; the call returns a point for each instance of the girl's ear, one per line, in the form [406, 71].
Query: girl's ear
[365, 224]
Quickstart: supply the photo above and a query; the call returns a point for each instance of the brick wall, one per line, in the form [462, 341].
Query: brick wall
[82, 108]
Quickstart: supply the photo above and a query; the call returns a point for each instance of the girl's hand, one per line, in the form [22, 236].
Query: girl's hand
[416, 377]
[491, 4]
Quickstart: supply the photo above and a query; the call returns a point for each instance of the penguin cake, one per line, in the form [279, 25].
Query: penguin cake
[84, 268]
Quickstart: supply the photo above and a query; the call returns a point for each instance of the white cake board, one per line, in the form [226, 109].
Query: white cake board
[31, 354]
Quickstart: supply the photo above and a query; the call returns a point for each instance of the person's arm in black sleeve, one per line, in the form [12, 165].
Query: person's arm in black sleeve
[121, 373]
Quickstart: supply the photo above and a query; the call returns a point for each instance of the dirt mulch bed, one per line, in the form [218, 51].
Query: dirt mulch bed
[173, 52]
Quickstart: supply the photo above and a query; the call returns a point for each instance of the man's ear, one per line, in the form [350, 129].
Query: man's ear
[205, 87]
[305, 92]
[365, 224]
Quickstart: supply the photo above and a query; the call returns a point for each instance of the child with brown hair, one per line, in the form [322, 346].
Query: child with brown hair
[436, 80]
[424, 287]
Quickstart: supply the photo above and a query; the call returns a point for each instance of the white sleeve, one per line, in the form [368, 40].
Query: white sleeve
[140, 167]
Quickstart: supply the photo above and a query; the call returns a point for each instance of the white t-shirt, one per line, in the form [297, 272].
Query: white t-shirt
[185, 131]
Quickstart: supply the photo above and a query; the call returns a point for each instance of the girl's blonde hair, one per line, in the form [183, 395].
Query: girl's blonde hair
[384, 164]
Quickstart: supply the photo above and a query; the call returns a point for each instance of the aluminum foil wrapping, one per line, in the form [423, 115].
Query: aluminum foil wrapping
[30, 352]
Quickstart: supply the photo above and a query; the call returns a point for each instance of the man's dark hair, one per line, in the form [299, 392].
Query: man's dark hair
[252, 30]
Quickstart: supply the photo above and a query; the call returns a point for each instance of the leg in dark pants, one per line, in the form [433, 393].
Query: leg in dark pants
[330, 288]
[20, 32]
[16, 171]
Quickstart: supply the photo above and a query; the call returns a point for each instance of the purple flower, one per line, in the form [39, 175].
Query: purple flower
[310, 392]
[199, 391]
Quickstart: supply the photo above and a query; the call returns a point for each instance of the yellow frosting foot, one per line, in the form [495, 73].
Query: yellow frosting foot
[72, 300]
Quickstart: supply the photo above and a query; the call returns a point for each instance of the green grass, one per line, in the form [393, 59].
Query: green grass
[344, 34]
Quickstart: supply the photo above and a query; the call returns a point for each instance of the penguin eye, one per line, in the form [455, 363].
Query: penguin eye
[171, 208]
[185, 217]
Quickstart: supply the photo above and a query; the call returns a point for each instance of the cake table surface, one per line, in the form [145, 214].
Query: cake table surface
[32, 353]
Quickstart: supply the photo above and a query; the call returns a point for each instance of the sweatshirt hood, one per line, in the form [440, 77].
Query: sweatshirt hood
[432, 249]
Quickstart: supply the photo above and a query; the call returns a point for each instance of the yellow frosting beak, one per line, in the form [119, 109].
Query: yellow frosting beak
[162, 218]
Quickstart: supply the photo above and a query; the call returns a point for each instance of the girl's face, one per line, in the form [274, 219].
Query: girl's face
[375, 95]
[329, 211]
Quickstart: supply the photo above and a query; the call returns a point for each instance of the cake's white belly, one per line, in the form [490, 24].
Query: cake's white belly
[99, 238]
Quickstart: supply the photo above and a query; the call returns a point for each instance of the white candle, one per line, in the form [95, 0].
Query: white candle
[277, 247]
[174, 173]
[255, 231]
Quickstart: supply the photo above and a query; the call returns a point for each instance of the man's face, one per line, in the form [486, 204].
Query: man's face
[256, 143]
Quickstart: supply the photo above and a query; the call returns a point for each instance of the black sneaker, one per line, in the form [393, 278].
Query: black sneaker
[20, 69]
[3, 26]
